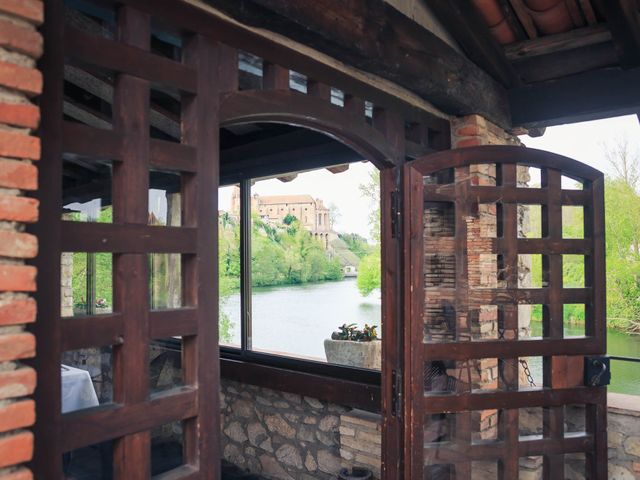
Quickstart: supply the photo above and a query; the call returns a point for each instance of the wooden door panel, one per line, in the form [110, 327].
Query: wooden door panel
[485, 396]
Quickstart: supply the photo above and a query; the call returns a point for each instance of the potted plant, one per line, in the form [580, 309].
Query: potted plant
[354, 347]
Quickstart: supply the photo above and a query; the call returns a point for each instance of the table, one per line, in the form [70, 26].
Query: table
[77, 389]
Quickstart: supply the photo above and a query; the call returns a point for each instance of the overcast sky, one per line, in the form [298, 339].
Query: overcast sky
[582, 141]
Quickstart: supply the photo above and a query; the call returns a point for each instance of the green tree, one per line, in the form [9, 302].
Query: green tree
[369, 276]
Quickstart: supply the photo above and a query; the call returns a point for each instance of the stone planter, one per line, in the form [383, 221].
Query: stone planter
[354, 354]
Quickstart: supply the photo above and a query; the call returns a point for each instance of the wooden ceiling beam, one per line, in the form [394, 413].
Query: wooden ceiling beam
[623, 19]
[462, 20]
[563, 63]
[580, 37]
[372, 36]
[587, 96]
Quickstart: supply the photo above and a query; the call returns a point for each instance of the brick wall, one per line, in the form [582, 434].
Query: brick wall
[20, 82]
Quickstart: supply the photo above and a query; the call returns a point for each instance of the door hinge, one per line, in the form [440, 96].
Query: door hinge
[396, 393]
[395, 214]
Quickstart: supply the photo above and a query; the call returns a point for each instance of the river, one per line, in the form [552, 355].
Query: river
[295, 320]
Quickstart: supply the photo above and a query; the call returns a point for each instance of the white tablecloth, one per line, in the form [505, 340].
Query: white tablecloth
[77, 389]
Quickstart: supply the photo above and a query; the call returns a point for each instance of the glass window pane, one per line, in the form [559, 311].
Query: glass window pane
[316, 266]
[229, 265]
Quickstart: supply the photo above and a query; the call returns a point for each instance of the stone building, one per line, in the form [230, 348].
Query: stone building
[310, 212]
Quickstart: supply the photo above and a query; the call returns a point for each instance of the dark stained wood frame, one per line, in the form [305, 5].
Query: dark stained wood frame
[134, 411]
[561, 357]
[207, 79]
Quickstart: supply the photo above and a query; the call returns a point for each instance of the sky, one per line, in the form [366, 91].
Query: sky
[341, 190]
[584, 141]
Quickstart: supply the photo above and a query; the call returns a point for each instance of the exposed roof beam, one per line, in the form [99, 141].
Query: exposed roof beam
[580, 37]
[525, 18]
[587, 96]
[623, 19]
[564, 63]
[373, 36]
[469, 29]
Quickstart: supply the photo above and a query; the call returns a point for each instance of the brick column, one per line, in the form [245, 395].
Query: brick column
[20, 82]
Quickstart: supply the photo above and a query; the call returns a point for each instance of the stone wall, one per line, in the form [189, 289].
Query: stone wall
[280, 435]
[20, 83]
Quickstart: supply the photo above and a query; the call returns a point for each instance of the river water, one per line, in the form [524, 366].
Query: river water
[295, 320]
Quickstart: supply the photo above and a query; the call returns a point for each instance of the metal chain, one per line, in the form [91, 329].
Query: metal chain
[527, 372]
[525, 365]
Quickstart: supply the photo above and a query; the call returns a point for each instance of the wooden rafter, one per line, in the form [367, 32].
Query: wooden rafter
[581, 37]
[469, 29]
[623, 19]
[587, 96]
[523, 15]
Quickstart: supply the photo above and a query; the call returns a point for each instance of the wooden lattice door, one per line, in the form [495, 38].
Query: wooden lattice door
[112, 55]
[505, 248]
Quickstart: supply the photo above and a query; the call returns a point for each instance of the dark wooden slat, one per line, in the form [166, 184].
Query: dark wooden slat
[551, 246]
[566, 63]
[92, 142]
[91, 331]
[529, 446]
[587, 96]
[503, 154]
[463, 21]
[128, 59]
[173, 323]
[130, 238]
[508, 349]
[580, 37]
[131, 453]
[172, 156]
[529, 196]
[318, 89]
[91, 426]
[520, 399]
[358, 395]
[274, 77]
[47, 460]
[200, 124]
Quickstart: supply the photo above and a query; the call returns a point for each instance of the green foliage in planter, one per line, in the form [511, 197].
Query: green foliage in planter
[351, 333]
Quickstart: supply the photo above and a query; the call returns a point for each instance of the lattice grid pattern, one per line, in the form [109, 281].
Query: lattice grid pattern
[470, 353]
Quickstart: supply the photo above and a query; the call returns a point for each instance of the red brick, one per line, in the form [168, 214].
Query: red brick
[15, 449]
[20, 39]
[17, 278]
[20, 115]
[28, 80]
[17, 383]
[469, 131]
[20, 474]
[17, 415]
[16, 346]
[18, 145]
[18, 245]
[18, 312]
[18, 209]
[468, 142]
[17, 174]
[30, 10]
